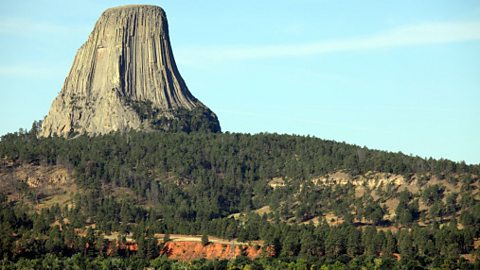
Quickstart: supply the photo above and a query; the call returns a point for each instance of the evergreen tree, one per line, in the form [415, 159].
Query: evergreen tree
[205, 240]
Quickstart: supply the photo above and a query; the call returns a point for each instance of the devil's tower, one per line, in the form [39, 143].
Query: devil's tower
[125, 78]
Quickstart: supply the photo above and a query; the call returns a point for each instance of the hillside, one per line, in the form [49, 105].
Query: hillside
[303, 197]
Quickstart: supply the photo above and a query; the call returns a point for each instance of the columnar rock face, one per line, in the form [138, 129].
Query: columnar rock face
[125, 78]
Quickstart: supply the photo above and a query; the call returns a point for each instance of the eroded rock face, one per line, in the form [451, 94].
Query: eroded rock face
[125, 78]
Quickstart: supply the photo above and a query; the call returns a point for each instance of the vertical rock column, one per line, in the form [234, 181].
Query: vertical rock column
[126, 60]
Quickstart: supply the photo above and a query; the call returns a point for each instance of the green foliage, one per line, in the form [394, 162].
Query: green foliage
[432, 194]
[199, 119]
[407, 210]
[205, 240]
[374, 212]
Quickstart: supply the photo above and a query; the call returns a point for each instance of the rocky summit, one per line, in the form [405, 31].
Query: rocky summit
[125, 78]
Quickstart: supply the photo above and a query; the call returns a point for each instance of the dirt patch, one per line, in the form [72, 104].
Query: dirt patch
[333, 220]
[260, 211]
[198, 238]
[39, 185]
[391, 206]
[392, 229]
[315, 221]
[276, 182]
[263, 210]
[189, 251]
[336, 178]
[359, 191]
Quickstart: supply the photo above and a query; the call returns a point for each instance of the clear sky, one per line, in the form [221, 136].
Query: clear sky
[391, 75]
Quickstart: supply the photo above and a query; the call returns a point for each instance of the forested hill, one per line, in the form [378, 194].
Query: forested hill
[233, 170]
[266, 187]
[252, 156]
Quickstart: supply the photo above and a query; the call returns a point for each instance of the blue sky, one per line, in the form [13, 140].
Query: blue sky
[391, 75]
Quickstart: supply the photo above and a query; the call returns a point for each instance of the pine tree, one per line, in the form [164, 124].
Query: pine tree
[354, 241]
[205, 240]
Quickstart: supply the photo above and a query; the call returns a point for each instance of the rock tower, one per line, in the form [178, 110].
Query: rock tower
[125, 78]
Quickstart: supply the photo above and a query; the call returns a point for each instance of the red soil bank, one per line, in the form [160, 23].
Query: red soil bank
[188, 251]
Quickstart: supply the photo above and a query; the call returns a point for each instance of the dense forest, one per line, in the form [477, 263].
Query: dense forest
[194, 183]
